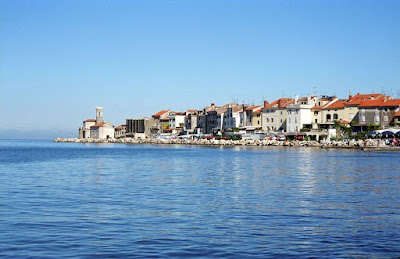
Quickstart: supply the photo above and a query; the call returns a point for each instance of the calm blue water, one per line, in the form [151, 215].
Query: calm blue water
[115, 200]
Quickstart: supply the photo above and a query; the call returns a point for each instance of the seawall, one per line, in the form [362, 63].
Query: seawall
[352, 144]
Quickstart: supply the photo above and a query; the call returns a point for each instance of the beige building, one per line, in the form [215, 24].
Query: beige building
[256, 118]
[274, 115]
[250, 118]
[333, 111]
[317, 109]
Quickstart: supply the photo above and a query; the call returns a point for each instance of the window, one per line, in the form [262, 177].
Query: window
[281, 112]
[316, 113]
[362, 119]
[335, 116]
[386, 119]
[267, 119]
[272, 119]
[281, 120]
[316, 121]
[377, 118]
[328, 117]
[295, 120]
[258, 122]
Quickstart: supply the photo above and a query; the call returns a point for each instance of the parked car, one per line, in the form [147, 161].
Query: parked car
[299, 137]
[281, 138]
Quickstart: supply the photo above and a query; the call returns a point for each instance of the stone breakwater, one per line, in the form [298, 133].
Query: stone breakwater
[356, 144]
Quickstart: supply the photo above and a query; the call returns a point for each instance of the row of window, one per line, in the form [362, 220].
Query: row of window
[271, 110]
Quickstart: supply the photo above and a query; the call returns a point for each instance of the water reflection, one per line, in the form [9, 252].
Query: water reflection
[143, 200]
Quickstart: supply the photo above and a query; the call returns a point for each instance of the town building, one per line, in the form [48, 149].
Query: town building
[396, 119]
[103, 130]
[120, 131]
[299, 114]
[380, 112]
[351, 108]
[317, 110]
[191, 121]
[176, 122]
[97, 129]
[84, 131]
[159, 122]
[232, 116]
[274, 115]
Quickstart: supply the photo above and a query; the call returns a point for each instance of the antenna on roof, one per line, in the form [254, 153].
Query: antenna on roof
[315, 90]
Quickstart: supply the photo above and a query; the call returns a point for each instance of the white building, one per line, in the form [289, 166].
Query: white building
[177, 120]
[96, 129]
[300, 113]
[84, 132]
[103, 130]
[232, 117]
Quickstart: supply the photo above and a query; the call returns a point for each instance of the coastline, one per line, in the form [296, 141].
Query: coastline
[368, 145]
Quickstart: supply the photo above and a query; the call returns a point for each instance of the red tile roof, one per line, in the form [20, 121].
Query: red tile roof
[381, 102]
[280, 103]
[119, 127]
[158, 114]
[336, 105]
[98, 125]
[237, 108]
[344, 122]
[397, 114]
[359, 98]
[90, 120]
[180, 113]
[318, 107]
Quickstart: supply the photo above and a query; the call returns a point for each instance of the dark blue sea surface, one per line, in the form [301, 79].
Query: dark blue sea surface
[116, 200]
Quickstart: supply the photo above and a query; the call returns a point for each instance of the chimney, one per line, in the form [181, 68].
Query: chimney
[212, 104]
[296, 98]
[265, 103]
[350, 96]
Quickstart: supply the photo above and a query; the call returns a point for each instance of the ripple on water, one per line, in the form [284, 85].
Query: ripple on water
[83, 200]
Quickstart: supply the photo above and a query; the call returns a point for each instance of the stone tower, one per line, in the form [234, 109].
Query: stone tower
[99, 115]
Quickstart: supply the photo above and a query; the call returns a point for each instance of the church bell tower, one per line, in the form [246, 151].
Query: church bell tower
[99, 115]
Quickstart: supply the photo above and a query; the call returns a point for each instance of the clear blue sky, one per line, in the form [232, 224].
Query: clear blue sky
[60, 59]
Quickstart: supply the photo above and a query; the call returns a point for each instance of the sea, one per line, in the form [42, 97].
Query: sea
[168, 201]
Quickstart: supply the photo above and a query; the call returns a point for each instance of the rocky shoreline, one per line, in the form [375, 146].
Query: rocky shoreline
[352, 144]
